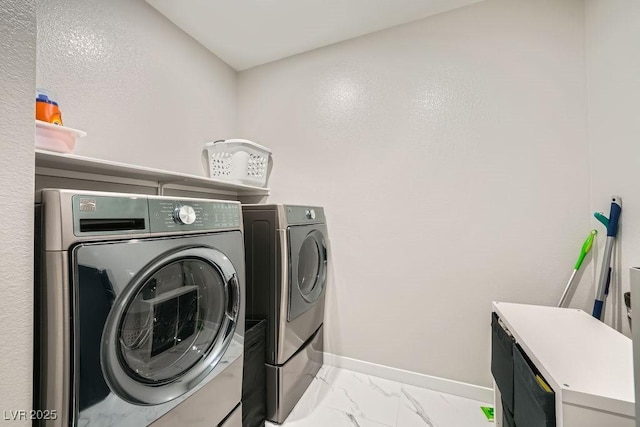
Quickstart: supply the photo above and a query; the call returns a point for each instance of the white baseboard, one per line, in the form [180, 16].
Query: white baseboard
[470, 391]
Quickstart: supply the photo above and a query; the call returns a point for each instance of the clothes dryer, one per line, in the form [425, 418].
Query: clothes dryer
[287, 266]
[139, 309]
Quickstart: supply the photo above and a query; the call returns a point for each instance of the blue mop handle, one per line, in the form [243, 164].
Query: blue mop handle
[605, 273]
[614, 217]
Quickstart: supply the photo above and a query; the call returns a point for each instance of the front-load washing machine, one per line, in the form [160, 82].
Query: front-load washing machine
[139, 310]
[286, 258]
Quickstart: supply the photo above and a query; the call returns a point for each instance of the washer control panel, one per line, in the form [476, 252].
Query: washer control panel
[183, 215]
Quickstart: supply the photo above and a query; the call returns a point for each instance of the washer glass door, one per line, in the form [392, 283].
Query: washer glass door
[172, 319]
[171, 325]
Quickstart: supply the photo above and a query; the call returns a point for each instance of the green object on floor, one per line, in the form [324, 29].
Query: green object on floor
[488, 412]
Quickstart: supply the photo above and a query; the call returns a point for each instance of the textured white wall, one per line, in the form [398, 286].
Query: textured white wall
[17, 83]
[144, 91]
[613, 73]
[451, 156]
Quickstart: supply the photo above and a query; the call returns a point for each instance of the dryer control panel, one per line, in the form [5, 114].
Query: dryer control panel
[166, 215]
[304, 215]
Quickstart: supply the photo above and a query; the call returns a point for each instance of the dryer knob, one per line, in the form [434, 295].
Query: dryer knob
[184, 215]
[311, 214]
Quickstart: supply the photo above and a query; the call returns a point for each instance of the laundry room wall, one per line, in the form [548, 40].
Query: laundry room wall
[17, 82]
[613, 74]
[451, 156]
[144, 91]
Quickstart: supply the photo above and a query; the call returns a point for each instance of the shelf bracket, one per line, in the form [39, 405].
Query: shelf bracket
[161, 185]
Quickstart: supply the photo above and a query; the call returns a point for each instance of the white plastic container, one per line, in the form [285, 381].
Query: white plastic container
[238, 160]
[56, 138]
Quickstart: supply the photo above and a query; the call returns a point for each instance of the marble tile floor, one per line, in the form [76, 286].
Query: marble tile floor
[342, 398]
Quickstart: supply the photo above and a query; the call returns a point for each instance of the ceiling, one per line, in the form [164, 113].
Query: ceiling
[248, 33]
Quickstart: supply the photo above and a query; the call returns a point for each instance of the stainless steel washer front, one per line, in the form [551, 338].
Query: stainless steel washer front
[156, 313]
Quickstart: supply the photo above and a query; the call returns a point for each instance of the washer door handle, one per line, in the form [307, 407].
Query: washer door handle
[233, 297]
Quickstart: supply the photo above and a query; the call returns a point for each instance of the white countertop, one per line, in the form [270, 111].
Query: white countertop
[584, 360]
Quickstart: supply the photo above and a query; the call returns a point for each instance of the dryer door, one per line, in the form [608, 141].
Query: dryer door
[308, 267]
[170, 325]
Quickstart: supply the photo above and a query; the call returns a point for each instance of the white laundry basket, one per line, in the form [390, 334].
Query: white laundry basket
[238, 160]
